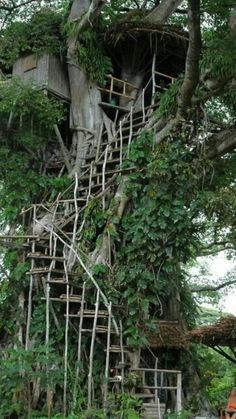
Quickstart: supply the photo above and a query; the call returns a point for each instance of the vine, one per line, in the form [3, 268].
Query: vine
[92, 57]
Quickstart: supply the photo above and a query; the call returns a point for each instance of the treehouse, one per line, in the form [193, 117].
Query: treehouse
[146, 60]
[46, 72]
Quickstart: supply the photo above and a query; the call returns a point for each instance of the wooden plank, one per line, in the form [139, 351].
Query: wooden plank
[42, 256]
[47, 269]
[156, 370]
[18, 237]
[165, 75]
[159, 388]
[111, 105]
[120, 81]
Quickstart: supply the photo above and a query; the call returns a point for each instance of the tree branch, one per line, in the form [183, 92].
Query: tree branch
[15, 6]
[161, 13]
[214, 288]
[223, 353]
[222, 143]
[191, 78]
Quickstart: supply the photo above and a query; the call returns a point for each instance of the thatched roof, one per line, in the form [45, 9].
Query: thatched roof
[222, 333]
[137, 29]
[168, 334]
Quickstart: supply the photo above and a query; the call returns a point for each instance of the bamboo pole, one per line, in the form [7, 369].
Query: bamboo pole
[143, 106]
[155, 381]
[179, 391]
[86, 270]
[121, 145]
[70, 264]
[66, 339]
[29, 314]
[107, 357]
[130, 129]
[104, 177]
[99, 142]
[92, 351]
[90, 183]
[79, 344]
[52, 252]
[122, 357]
[153, 77]
[47, 344]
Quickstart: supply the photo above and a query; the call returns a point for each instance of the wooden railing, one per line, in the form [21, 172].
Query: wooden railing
[159, 379]
[118, 87]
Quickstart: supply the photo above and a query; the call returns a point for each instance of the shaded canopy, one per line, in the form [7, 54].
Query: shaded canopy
[135, 42]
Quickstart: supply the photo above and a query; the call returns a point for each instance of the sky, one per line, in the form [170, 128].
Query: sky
[218, 267]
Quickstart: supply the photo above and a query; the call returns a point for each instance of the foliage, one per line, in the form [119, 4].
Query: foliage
[218, 376]
[183, 414]
[18, 370]
[118, 405]
[92, 57]
[41, 34]
[177, 201]
[168, 100]
[27, 117]
[219, 56]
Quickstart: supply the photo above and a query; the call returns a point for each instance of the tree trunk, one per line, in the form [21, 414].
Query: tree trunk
[86, 114]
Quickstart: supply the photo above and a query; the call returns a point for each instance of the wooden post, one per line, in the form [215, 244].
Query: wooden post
[92, 351]
[179, 391]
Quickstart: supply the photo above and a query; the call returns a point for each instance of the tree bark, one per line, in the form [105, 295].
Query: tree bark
[86, 114]
[191, 78]
[160, 14]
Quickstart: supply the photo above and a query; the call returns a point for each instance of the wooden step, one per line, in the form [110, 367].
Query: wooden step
[46, 270]
[91, 313]
[96, 186]
[108, 173]
[112, 151]
[72, 298]
[59, 281]
[100, 163]
[117, 349]
[99, 329]
[153, 410]
[145, 396]
[39, 255]
[116, 379]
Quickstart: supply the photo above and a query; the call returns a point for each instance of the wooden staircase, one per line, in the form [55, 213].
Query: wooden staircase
[52, 252]
[153, 410]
